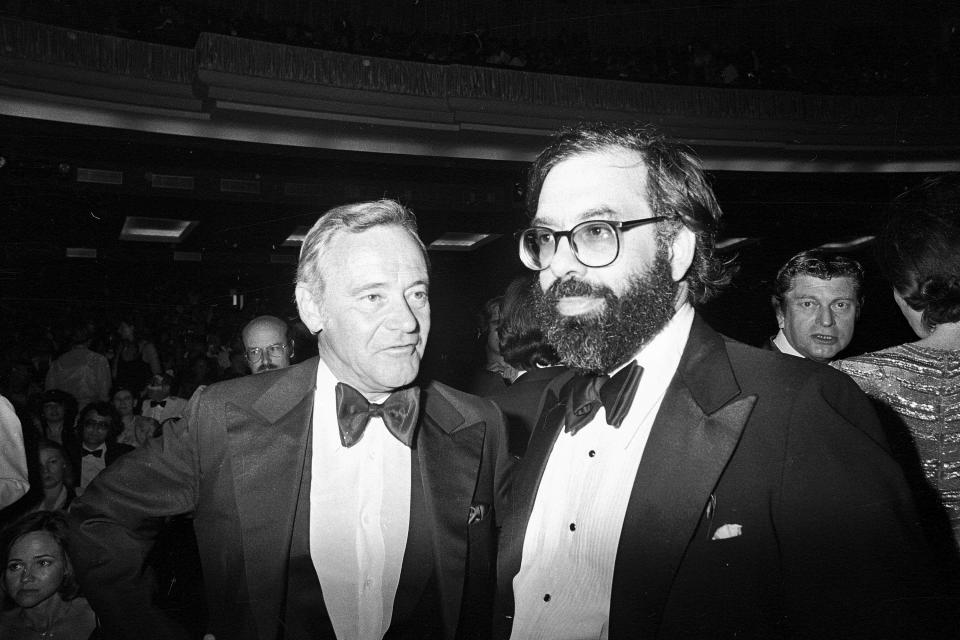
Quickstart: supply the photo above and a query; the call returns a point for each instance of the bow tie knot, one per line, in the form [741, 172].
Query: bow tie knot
[585, 394]
[158, 403]
[86, 452]
[399, 413]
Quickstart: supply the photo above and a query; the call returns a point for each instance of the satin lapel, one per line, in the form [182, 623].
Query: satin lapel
[449, 446]
[526, 482]
[695, 433]
[417, 557]
[267, 440]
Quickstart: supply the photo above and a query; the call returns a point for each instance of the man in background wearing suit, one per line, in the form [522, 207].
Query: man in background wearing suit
[332, 499]
[817, 299]
[707, 489]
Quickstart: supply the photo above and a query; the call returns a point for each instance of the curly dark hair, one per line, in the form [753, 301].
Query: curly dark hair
[676, 188]
[52, 522]
[919, 249]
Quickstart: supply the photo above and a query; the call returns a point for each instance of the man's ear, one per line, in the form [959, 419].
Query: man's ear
[310, 308]
[682, 248]
[778, 310]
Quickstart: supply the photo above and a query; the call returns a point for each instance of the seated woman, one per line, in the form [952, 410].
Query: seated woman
[38, 578]
[137, 429]
[56, 475]
[917, 384]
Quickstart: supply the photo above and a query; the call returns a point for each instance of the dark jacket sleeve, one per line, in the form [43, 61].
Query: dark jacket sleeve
[855, 561]
[116, 521]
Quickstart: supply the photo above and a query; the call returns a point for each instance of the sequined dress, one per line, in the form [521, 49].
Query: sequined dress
[922, 386]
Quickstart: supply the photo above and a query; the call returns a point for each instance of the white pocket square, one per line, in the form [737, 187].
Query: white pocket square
[727, 531]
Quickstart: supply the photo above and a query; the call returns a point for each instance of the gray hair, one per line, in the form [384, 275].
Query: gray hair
[350, 218]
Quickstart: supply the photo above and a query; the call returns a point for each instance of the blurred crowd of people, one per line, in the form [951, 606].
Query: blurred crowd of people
[854, 65]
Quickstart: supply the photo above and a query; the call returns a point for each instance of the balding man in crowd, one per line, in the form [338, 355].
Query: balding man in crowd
[266, 344]
[817, 298]
[333, 499]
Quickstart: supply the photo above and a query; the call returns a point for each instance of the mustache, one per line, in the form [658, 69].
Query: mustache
[574, 287]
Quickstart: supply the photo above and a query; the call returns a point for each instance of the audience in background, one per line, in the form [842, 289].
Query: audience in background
[98, 426]
[137, 429]
[817, 299]
[81, 372]
[135, 359]
[160, 404]
[38, 577]
[912, 67]
[917, 384]
[56, 476]
[495, 374]
[58, 409]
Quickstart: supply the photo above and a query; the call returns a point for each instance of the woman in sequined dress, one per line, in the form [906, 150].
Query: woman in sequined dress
[918, 384]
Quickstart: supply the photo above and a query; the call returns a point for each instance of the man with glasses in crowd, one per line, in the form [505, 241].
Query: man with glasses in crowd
[332, 499]
[679, 484]
[266, 344]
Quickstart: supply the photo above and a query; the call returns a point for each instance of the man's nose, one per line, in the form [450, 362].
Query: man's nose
[402, 317]
[825, 316]
[564, 262]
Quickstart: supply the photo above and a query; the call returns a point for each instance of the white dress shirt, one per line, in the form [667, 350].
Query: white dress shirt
[359, 515]
[563, 588]
[781, 342]
[91, 466]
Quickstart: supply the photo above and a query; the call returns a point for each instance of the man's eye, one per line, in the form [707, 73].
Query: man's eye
[373, 297]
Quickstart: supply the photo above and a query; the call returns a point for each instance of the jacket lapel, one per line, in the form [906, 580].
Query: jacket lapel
[449, 453]
[267, 442]
[695, 433]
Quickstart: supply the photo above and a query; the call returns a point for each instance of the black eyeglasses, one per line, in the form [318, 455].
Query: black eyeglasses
[255, 354]
[595, 243]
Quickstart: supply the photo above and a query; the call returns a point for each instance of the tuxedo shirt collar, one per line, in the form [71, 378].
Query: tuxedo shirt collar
[781, 342]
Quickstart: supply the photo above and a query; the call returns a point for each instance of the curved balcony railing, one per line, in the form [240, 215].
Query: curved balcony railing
[535, 93]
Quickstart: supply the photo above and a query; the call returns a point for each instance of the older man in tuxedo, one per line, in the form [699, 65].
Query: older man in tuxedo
[682, 485]
[332, 499]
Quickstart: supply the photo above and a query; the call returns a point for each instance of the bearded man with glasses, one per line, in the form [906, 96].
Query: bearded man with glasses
[678, 484]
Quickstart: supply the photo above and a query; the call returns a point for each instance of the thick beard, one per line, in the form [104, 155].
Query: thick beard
[598, 343]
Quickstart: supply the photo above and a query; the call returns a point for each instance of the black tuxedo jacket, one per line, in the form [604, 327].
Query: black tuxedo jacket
[520, 403]
[236, 462]
[829, 545]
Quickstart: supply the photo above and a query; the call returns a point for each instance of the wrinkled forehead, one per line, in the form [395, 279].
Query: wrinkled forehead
[386, 252]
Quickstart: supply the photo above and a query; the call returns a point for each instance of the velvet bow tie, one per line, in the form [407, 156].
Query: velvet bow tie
[96, 454]
[585, 395]
[399, 413]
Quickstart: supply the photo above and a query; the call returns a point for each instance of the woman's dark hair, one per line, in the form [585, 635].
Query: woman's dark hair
[52, 522]
[522, 343]
[107, 410]
[919, 249]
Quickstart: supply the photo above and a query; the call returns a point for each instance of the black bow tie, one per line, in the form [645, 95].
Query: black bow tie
[399, 413]
[158, 403]
[585, 395]
[86, 452]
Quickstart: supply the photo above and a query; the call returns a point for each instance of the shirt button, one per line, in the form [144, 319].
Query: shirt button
[367, 583]
[592, 453]
[573, 526]
[546, 597]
